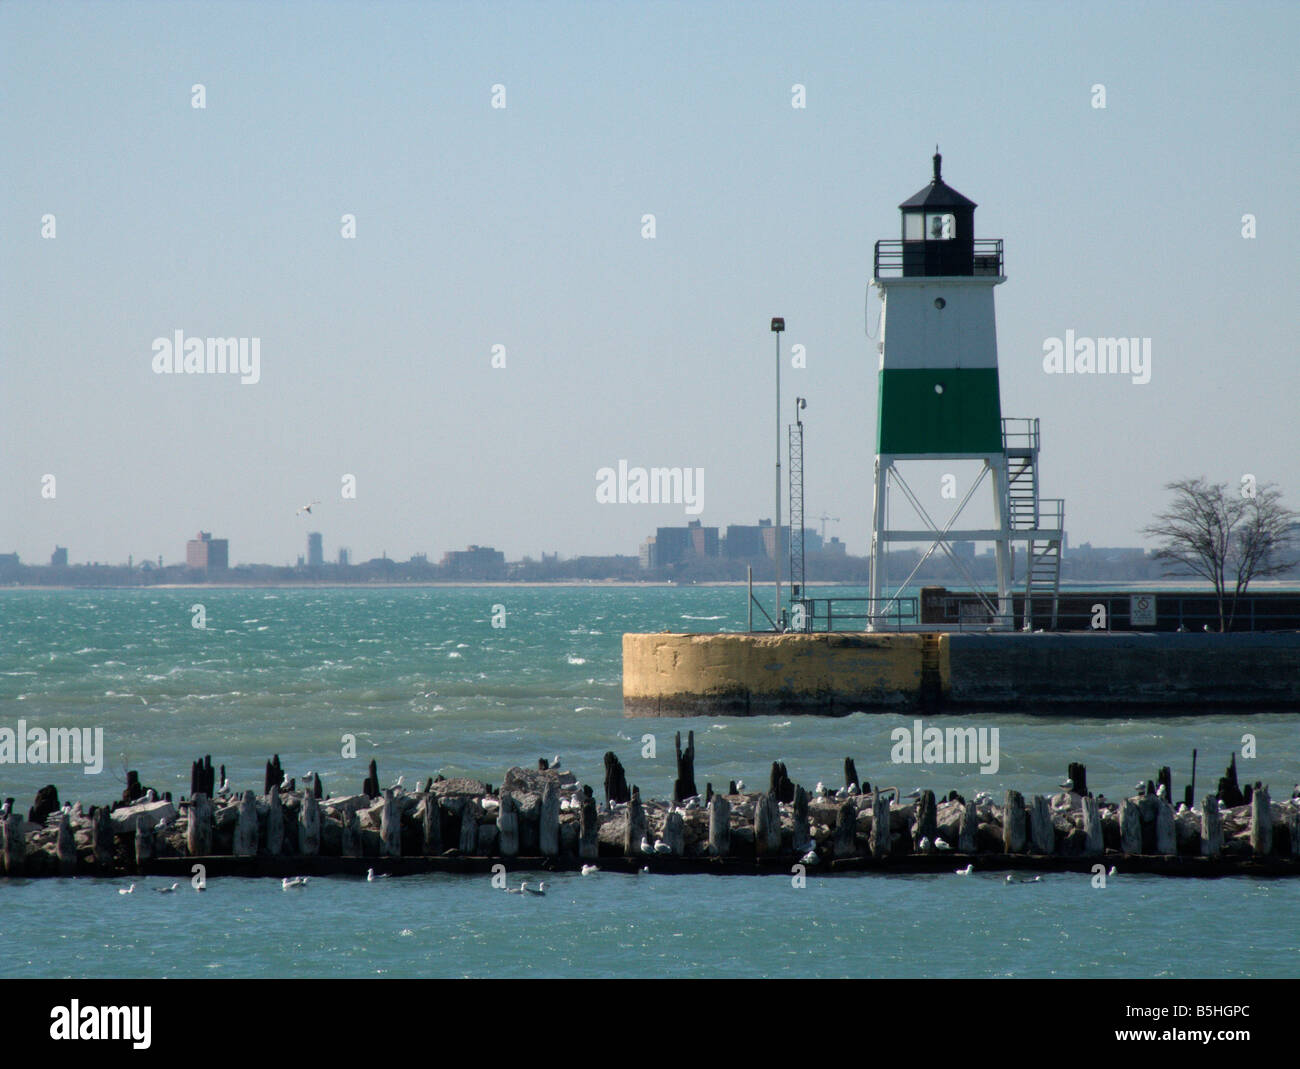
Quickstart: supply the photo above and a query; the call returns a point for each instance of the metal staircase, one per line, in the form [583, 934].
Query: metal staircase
[1041, 519]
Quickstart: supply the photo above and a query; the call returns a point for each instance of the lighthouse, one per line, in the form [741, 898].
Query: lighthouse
[938, 399]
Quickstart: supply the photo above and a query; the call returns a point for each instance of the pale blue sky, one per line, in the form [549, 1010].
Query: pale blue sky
[522, 227]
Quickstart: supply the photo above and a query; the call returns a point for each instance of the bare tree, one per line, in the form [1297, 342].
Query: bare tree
[1227, 538]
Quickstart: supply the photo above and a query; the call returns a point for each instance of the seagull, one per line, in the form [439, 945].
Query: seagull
[983, 798]
[167, 890]
[587, 870]
[126, 890]
[662, 847]
[940, 844]
[8, 806]
[150, 795]
[297, 881]
[519, 890]
[1068, 785]
[1161, 793]
[646, 848]
[820, 790]
[740, 786]
[541, 889]
[555, 761]
[966, 871]
[370, 875]
[284, 784]
[1113, 871]
[306, 508]
[224, 791]
[810, 858]
[924, 844]
[916, 793]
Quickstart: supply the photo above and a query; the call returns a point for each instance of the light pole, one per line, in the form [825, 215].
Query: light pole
[778, 325]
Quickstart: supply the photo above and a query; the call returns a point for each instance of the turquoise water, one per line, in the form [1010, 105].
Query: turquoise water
[426, 685]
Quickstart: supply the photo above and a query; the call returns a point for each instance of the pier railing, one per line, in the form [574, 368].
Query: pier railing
[853, 614]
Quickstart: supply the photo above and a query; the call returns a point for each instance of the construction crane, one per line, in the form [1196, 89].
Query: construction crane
[824, 518]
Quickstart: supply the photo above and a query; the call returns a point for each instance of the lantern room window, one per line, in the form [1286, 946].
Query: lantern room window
[913, 226]
[940, 226]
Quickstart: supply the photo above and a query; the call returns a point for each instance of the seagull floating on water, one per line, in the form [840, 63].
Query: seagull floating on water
[541, 889]
[1113, 871]
[167, 890]
[966, 871]
[517, 890]
[587, 870]
[296, 881]
[126, 890]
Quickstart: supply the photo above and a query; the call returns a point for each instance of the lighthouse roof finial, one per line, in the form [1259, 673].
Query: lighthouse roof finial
[938, 194]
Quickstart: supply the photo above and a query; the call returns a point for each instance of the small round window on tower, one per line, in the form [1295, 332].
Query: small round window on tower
[939, 302]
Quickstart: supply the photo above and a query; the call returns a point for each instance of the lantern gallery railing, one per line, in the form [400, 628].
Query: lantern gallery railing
[894, 258]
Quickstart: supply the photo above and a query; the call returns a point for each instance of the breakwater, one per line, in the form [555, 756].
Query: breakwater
[543, 818]
[834, 674]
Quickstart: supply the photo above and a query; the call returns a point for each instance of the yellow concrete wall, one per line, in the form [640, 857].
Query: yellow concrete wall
[669, 674]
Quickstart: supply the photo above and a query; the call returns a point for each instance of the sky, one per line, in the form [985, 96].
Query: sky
[524, 227]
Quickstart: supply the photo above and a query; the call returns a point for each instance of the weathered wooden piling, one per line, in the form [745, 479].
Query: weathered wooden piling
[1211, 827]
[767, 826]
[634, 831]
[350, 843]
[548, 828]
[684, 784]
[309, 826]
[273, 840]
[370, 788]
[1093, 843]
[47, 802]
[390, 827]
[616, 792]
[844, 838]
[588, 828]
[674, 834]
[1293, 828]
[66, 847]
[1261, 822]
[1130, 827]
[1042, 834]
[470, 815]
[198, 824]
[15, 845]
[245, 840]
[966, 832]
[274, 774]
[779, 783]
[719, 826]
[101, 837]
[880, 840]
[144, 844]
[1229, 791]
[801, 839]
[926, 827]
[851, 774]
[431, 824]
[508, 824]
[1165, 779]
[1013, 823]
[1166, 833]
[1077, 774]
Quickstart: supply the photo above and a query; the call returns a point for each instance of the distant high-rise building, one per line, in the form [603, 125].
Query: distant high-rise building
[345, 557]
[476, 562]
[59, 558]
[315, 552]
[207, 553]
[745, 542]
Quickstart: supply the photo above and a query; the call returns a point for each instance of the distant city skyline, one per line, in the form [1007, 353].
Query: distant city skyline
[435, 267]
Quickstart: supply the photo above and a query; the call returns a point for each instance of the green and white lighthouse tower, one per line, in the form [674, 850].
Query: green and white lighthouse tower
[938, 400]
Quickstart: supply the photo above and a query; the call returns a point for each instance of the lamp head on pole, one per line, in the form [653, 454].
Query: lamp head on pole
[778, 324]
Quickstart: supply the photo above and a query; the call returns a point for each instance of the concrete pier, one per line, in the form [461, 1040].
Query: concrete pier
[1080, 673]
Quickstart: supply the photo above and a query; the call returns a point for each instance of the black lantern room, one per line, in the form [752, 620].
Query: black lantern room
[938, 230]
